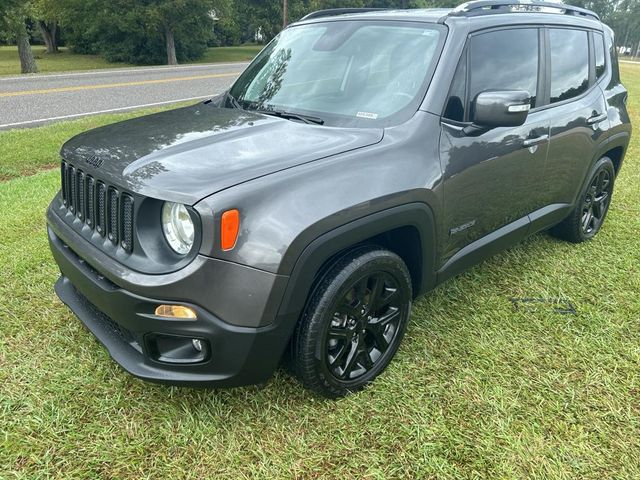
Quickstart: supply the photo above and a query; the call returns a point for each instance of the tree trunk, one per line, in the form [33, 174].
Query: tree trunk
[27, 62]
[285, 13]
[171, 47]
[626, 39]
[49, 33]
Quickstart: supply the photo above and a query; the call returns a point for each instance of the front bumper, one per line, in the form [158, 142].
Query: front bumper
[124, 322]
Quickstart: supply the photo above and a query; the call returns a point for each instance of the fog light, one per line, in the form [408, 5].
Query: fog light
[167, 348]
[176, 311]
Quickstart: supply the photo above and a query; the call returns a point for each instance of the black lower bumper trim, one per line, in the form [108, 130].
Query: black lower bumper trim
[126, 348]
[125, 323]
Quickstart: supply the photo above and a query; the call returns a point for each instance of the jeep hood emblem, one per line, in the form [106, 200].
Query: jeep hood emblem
[94, 161]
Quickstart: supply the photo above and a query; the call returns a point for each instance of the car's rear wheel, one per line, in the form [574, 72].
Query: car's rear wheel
[353, 323]
[587, 218]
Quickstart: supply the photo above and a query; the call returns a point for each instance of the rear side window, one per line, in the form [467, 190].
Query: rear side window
[504, 60]
[569, 63]
[598, 46]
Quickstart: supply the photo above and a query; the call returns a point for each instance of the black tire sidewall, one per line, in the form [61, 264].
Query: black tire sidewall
[603, 163]
[314, 326]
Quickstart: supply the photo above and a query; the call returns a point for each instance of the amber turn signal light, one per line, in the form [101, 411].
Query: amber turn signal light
[176, 311]
[229, 228]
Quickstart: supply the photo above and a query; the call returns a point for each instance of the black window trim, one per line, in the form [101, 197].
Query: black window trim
[544, 67]
[607, 63]
[542, 62]
[590, 56]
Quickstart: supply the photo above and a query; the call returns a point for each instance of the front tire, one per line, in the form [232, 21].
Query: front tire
[587, 218]
[353, 323]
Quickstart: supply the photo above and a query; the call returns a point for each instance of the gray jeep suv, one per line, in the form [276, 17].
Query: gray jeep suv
[361, 159]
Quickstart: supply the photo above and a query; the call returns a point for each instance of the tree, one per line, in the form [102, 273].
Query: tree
[13, 17]
[171, 16]
[285, 13]
[47, 15]
[139, 31]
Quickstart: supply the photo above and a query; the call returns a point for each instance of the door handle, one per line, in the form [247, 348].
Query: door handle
[530, 142]
[596, 118]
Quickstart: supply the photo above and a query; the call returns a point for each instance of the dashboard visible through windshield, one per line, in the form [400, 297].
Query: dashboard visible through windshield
[342, 73]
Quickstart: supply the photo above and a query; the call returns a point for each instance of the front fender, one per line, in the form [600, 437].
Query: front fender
[327, 246]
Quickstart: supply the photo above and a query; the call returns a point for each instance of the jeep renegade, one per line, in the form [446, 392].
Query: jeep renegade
[361, 159]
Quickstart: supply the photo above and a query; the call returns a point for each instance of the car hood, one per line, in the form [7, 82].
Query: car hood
[186, 154]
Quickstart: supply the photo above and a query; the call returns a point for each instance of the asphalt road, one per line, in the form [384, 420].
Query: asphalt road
[38, 99]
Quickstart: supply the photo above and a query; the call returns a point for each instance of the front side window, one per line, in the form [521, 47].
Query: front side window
[504, 60]
[569, 63]
[348, 73]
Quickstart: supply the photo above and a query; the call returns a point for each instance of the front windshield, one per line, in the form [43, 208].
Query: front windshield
[348, 73]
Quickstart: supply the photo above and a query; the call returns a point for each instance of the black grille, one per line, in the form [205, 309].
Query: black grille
[63, 178]
[74, 189]
[100, 206]
[113, 215]
[127, 222]
[101, 193]
[91, 185]
[80, 192]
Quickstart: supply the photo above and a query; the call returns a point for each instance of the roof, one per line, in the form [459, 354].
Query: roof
[430, 15]
[534, 10]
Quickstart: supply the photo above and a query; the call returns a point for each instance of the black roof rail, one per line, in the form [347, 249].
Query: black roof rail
[339, 11]
[485, 7]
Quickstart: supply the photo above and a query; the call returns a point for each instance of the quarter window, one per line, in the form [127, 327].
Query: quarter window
[569, 63]
[598, 43]
[504, 60]
[455, 104]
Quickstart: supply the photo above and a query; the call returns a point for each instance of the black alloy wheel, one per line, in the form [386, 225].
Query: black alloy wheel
[353, 323]
[588, 216]
[596, 202]
[363, 327]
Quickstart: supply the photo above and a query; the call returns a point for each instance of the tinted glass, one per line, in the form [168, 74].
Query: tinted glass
[455, 104]
[598, 44]
[504, 60]
[346, 73]
[569, 63]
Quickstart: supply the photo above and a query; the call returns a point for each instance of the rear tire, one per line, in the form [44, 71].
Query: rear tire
[353, 323]
[587, 218]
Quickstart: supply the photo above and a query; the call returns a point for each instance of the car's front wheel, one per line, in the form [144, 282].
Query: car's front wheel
[587, 218]
[353, 323]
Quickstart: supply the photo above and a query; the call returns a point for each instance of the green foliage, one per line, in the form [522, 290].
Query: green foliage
[621, 15]
[133, 31]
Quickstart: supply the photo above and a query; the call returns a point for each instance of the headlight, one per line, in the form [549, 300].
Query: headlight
[177, 227]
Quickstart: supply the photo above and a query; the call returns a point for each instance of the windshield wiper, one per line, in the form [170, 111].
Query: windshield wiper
[234, 102]
[292, 116]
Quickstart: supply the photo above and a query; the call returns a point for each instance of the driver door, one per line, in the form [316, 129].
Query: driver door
[492, 180]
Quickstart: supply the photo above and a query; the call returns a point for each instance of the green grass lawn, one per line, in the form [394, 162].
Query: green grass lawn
[59, 62]
[230, 54]
[479, 389]
[67, 61]
[27, 151]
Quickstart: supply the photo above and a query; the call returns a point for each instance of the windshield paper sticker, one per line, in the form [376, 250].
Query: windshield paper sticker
[371, 116]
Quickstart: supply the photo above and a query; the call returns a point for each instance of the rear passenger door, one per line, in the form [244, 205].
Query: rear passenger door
[492, 180]
[577, 110]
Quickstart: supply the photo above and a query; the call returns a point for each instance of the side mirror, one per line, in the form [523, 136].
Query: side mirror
[504, 108]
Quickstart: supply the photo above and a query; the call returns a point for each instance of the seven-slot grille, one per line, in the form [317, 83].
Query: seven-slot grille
[99, 206]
